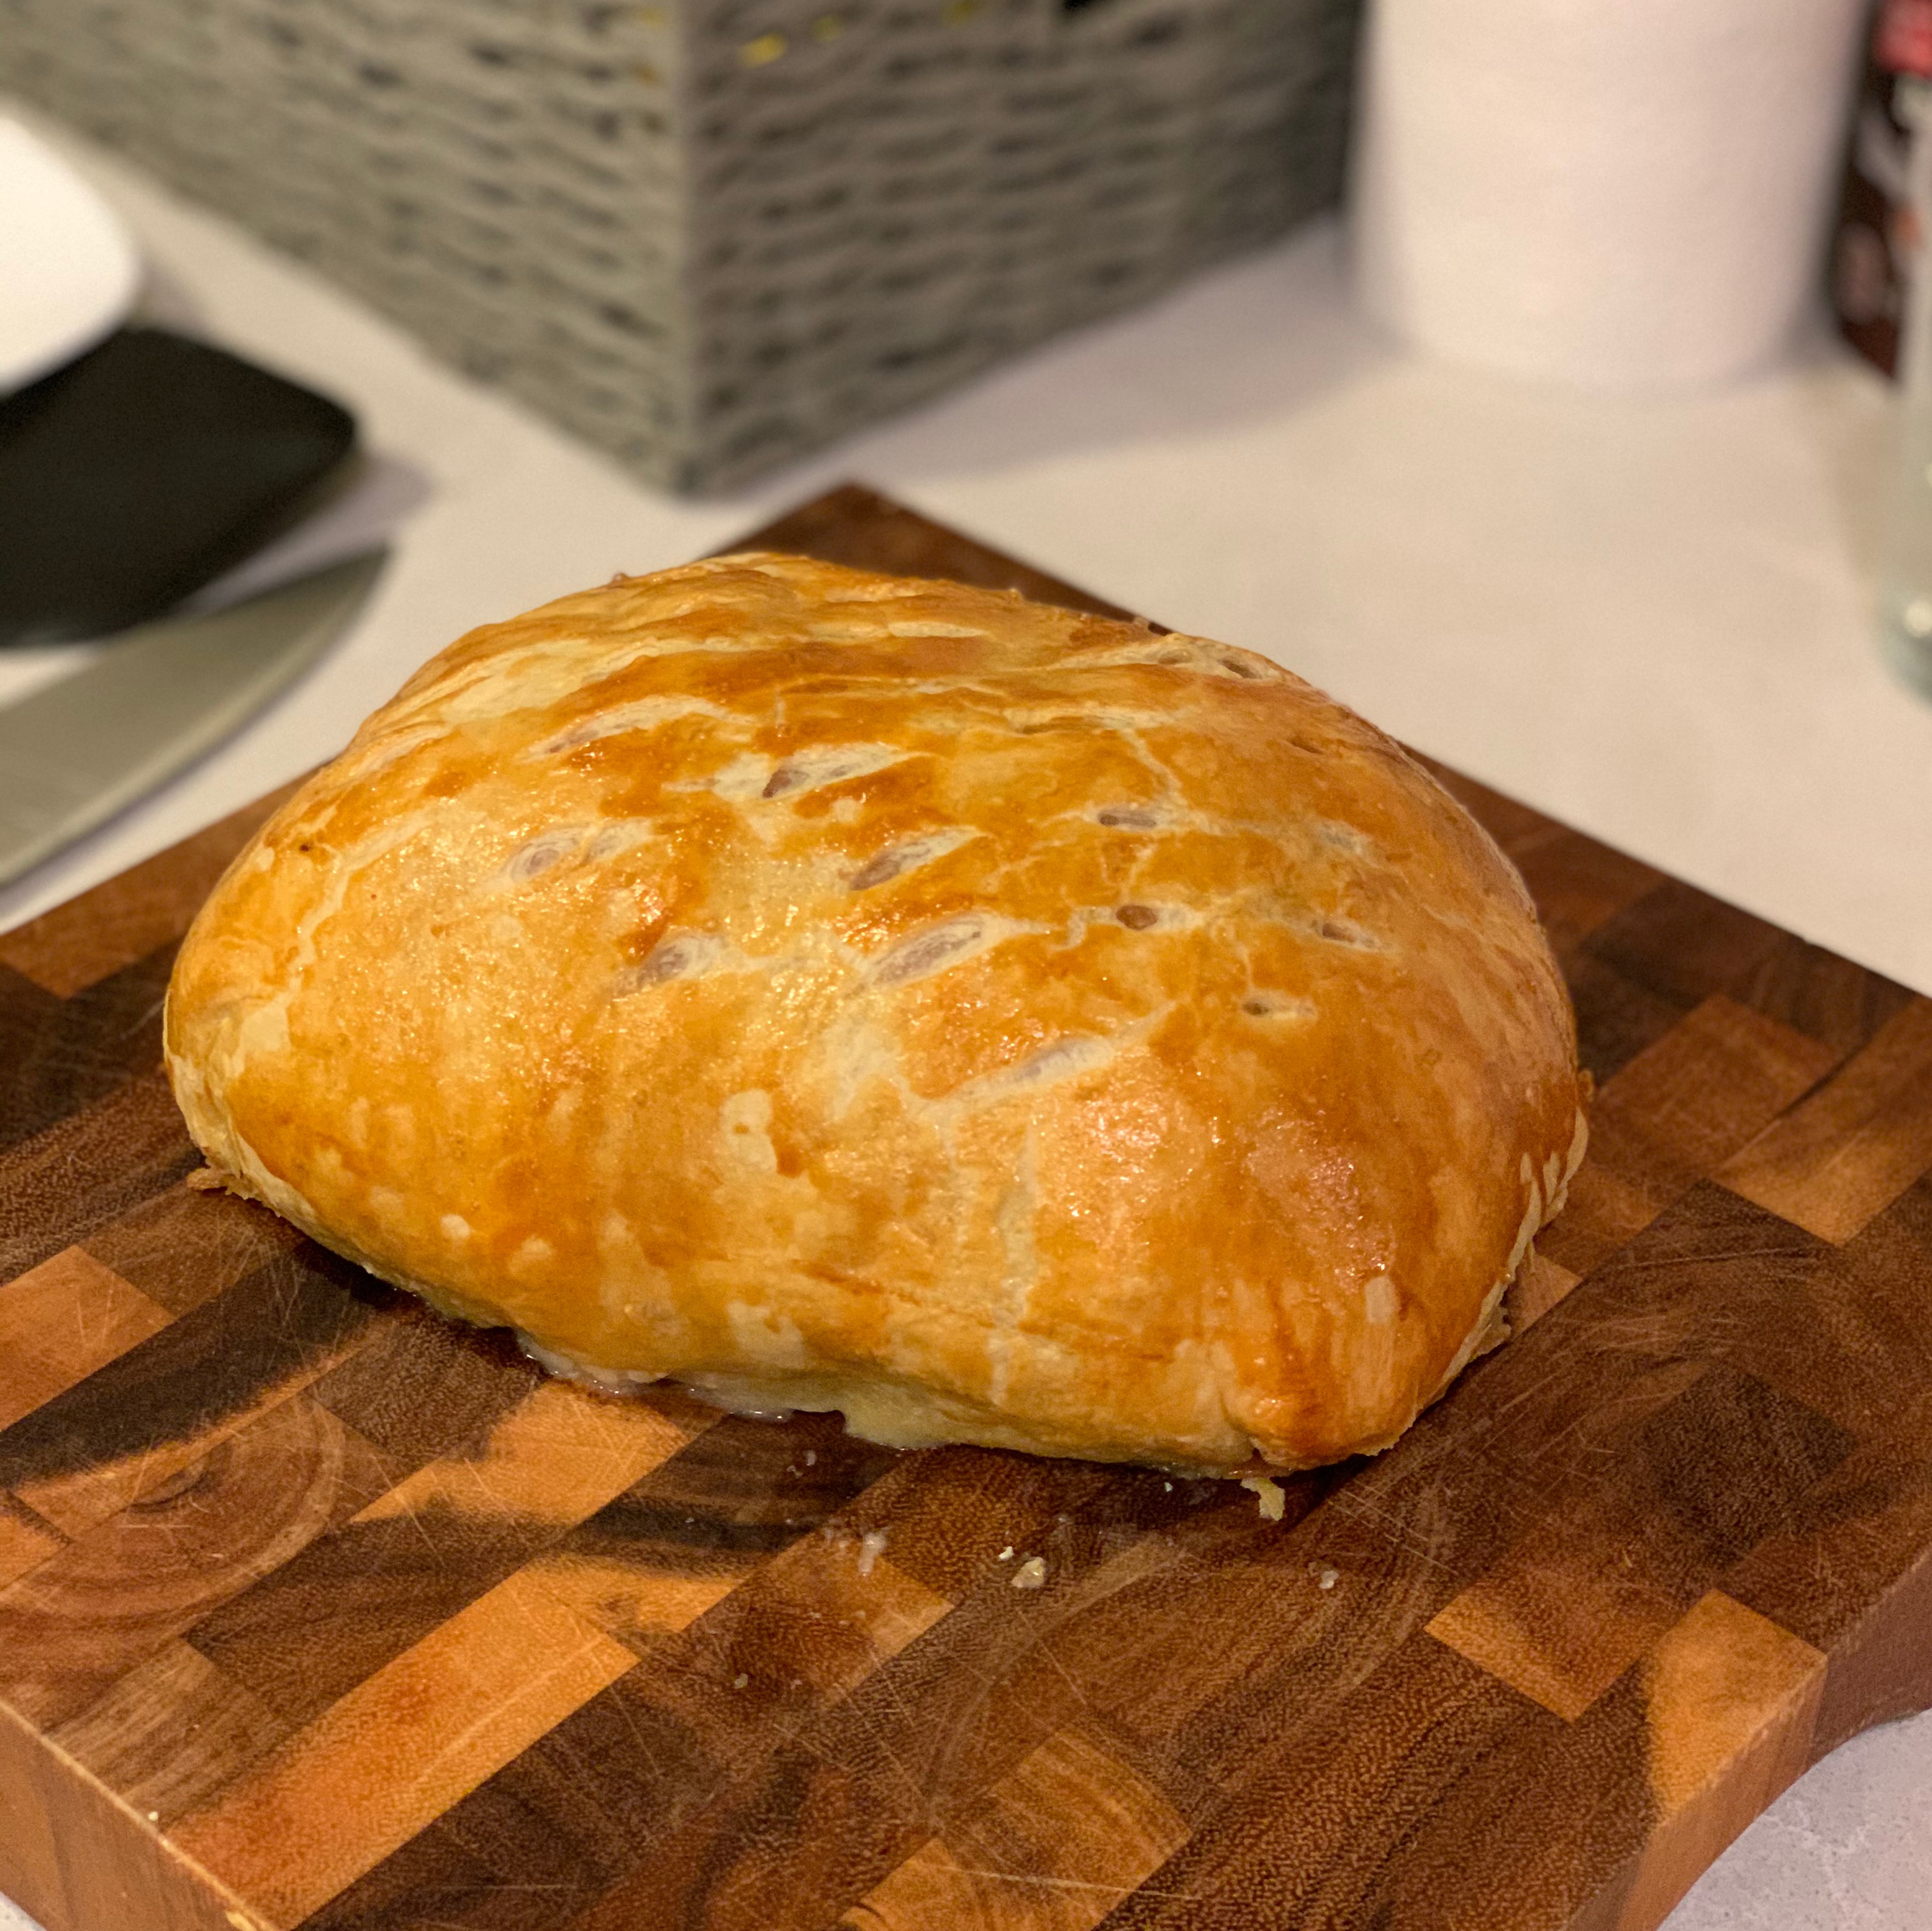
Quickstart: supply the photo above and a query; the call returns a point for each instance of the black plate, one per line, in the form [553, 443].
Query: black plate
[133, 476]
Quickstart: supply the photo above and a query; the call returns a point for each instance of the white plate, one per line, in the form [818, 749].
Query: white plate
[68, 272]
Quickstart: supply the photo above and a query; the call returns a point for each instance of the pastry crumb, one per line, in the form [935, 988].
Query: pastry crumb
[739, 1681]
[1006, 1554]
[1268, 1492]
[1328, 1578]
[1031, 1573]
[872, 1546]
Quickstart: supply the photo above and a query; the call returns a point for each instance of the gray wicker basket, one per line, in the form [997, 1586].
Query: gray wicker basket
[711, 235]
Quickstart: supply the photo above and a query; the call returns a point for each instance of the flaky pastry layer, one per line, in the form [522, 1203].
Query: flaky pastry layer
[831, 990]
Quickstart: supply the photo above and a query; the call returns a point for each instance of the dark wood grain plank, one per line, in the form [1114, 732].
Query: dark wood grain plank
[1683, 944]
[857, 527]
[1313, 1834]
[162, 1405]
[60, 1053]
[185, 1245]
[133, 915]
[1617, 1017]
[69, 1855]
[1815, 992]
[102, 1159]
[171, 1732]
[1674, 1114]
[75, 1625]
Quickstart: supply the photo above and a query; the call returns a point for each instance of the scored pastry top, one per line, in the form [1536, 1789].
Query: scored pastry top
[1001, 1023]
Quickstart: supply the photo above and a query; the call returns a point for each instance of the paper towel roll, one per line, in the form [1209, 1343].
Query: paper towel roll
[1615, 193]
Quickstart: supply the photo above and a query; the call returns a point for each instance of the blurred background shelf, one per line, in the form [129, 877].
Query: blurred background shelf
[709, 235]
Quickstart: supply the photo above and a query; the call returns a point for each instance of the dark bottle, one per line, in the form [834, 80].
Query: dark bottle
[1878, 239]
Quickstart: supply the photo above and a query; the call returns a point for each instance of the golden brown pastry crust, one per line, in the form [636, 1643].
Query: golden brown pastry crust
[1002, 1025]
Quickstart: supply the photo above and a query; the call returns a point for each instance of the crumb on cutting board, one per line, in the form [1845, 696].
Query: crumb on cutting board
[1269, 1493]
[1031, 1574]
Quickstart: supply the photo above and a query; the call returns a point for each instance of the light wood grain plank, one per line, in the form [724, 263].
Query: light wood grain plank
[1732, 1702]
[1725, 1681]
[1685, 1105]
[634, 1605]
[868, 1607]
[25, 1541]
[1542, 1285]
[1855, 1146]
[61, 1321]
[1054, 1845]
[558, 1455]
[1548, 1627]
[399, 1750]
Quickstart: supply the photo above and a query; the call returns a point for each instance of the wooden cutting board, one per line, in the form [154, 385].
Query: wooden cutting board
[315, 1611]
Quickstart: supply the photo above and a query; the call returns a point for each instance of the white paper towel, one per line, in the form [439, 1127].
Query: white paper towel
[1615, 193]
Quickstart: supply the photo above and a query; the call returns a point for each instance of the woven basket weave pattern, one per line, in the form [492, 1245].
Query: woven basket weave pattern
[711, 235]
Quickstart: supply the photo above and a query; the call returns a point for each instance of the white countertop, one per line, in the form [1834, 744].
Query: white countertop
[1649, 619]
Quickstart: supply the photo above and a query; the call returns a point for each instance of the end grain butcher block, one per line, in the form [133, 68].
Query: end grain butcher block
[315, 1611]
